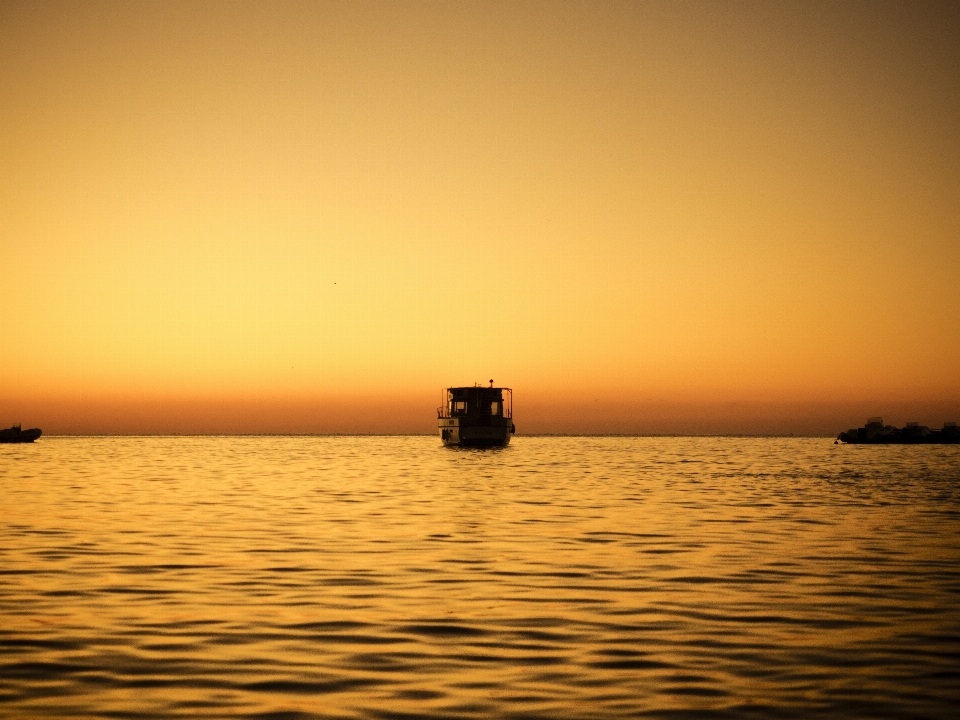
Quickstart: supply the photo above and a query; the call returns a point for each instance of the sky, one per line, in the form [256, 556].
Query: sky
[645, 217]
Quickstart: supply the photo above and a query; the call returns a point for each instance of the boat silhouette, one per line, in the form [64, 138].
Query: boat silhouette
[16, 435]
[476, 416]
[876, 433]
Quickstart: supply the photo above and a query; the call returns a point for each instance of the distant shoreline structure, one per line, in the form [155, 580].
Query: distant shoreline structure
[876, 433]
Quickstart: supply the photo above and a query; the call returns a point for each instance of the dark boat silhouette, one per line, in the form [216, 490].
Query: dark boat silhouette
[16, 435]
[476, 416]
[876, 433]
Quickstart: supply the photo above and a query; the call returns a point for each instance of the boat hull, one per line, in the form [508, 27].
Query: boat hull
[455, 433]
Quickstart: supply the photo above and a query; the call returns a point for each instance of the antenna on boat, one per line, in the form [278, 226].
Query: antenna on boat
[491, 382]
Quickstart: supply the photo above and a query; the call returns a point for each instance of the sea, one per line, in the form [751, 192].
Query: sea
[560, 577]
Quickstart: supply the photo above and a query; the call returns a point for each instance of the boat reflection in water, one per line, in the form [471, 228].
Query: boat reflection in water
[476, 416]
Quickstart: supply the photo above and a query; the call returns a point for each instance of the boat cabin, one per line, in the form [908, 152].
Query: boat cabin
[478, 402]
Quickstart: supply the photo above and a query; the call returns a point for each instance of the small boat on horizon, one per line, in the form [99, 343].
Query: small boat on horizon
[16, 435]
[876, 433]
[476, 416]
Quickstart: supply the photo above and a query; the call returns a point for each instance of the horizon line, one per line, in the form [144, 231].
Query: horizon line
[526, 435]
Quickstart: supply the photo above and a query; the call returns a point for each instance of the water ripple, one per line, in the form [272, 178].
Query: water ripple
[292, 577]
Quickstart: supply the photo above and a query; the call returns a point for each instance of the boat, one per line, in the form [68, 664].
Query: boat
[876, 433]
[476, 416]
[16, 435]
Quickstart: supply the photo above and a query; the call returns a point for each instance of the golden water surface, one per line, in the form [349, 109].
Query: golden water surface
[389, 577]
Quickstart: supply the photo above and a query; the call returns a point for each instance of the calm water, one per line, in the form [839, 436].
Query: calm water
[289, 577]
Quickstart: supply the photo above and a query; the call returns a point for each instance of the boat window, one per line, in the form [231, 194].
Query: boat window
[495, 407]
[460, 406]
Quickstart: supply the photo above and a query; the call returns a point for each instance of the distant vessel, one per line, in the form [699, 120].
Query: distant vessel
[476, 416]
[16, 435]
[876, 433]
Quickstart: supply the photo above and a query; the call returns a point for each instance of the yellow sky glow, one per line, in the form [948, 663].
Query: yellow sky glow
[644, 216]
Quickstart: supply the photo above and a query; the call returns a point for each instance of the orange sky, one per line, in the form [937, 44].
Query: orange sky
[644, 217]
